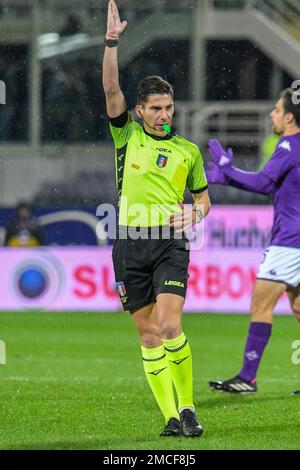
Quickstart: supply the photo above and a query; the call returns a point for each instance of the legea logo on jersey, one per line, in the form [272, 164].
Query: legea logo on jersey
[161, 161]
[37, 281]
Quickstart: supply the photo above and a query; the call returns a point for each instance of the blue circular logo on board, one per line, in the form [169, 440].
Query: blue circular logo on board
[32, 282]
[37, 280]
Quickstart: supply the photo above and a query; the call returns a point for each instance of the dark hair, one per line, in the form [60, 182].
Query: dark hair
[153, 85]
[291, 103]
[23, 205]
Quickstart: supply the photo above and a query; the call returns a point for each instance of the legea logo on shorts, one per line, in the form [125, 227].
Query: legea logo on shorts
[174, 283]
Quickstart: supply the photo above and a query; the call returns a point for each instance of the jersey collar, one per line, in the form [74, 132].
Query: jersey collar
[157, 137]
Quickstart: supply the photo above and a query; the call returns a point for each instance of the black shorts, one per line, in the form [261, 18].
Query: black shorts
[145, 268]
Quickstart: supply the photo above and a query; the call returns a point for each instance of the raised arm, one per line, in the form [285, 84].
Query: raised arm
[115, 101]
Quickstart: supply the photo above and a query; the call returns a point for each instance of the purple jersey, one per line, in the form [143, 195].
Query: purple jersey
[284, 170]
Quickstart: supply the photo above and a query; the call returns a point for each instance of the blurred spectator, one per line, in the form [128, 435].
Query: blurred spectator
[73, 103]
[72, 26]
[14, 72]
[23, 231]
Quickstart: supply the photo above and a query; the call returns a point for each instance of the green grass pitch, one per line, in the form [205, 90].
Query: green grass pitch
[75, 381]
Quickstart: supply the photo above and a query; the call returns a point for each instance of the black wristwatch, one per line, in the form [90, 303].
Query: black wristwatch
[111, 42]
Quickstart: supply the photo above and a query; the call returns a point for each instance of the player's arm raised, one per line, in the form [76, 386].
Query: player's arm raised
[221, 171]
[115, 101]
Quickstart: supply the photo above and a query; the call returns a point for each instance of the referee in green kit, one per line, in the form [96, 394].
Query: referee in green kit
[153, 168]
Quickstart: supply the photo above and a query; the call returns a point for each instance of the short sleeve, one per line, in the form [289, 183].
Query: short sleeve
[197, 181]
[122, 134]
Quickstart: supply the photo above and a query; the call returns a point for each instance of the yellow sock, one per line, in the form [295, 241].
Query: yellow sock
[179, 356]
[158, 375]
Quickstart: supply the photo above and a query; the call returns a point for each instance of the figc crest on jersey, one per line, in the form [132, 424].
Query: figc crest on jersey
[161, 161]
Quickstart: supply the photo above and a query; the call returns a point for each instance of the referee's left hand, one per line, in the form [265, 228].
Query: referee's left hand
[183, 220]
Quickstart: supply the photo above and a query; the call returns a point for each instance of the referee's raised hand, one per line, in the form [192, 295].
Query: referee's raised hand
[115, 26]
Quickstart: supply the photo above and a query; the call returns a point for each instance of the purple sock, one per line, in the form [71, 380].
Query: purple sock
[258, 337]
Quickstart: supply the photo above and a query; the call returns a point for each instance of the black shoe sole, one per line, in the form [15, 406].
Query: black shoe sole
[196, 434]
[216, 385]
[162, 434]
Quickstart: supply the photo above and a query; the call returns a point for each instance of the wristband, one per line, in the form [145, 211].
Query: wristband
[199, 215]
[113, 42]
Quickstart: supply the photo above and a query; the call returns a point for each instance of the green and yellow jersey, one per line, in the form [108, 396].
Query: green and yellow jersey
[267, 149]
[152, 174]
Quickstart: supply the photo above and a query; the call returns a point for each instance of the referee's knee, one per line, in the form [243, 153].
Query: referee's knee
[170, 330]
[150, 340]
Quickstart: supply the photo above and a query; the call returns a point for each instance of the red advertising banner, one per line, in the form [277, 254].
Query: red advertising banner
[82, 279]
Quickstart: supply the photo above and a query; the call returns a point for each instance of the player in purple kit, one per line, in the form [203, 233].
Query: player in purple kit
[280, 267]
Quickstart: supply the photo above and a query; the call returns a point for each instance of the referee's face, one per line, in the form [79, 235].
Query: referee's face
[157, 111]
